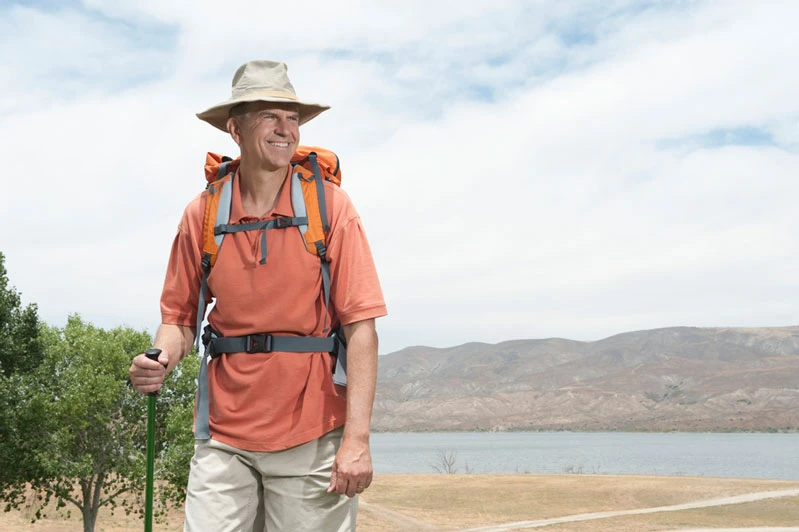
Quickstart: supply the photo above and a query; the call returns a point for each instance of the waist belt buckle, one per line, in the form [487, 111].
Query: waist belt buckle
[259, 343]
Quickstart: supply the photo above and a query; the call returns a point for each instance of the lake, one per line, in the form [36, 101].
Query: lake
[741, 455]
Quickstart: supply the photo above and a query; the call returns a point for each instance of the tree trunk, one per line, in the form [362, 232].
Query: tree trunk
[89, 517]
[92, 488]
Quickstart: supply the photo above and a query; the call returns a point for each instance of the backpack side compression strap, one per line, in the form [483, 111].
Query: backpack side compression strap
[220, 197]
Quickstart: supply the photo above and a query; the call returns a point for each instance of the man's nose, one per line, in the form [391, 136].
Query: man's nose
[282, 127]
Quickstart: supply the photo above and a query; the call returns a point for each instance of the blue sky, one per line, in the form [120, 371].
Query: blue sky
[523, 169]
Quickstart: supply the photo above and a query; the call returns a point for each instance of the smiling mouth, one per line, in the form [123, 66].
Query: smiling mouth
[279, 144]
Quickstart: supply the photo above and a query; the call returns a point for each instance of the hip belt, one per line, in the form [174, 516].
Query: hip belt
[216, 345]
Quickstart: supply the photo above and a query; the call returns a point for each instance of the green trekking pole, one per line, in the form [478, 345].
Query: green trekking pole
[152, 354]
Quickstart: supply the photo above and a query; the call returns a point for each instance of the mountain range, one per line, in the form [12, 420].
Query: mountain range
[671, 379]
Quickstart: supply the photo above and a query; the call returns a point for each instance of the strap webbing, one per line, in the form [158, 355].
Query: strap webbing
[320, 191]
[263, 226]
[298, 202]
[277, 223]
[223, 209]
[321, 250]
[266, 343]
[201, 429]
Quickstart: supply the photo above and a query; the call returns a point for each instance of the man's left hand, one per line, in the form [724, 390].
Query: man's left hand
[352, 468]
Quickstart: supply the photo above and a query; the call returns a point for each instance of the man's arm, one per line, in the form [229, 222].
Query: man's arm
[174, 341]
[352, 467]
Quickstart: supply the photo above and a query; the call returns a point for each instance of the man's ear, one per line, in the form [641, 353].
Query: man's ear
[234, 128]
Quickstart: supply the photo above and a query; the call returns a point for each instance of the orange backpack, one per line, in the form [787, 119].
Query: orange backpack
[310, 168]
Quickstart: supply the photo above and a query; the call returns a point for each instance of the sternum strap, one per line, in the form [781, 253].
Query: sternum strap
[264, 225]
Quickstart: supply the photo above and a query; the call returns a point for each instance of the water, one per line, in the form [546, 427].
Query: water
[768, 456]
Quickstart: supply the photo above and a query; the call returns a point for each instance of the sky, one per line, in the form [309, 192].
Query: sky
[523, 169]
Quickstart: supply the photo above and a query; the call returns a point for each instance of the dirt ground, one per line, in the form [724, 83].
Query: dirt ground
[439, 502]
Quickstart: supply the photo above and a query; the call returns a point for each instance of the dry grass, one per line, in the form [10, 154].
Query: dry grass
[452, 502]
[459, 501]
[20, 521]
[771, 513]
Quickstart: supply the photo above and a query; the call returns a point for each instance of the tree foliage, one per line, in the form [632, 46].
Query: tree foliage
[20, 353]
[77, 429]
[20, 346]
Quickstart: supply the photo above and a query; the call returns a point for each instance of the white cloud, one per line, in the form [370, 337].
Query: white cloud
[557, 202]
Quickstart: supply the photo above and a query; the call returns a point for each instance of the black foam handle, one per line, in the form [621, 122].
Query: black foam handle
[153, 353]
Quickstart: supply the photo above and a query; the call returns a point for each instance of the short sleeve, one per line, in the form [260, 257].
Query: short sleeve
[355, 291]
[184, 270]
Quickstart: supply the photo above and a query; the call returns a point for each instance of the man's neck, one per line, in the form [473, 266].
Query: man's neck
[259, 187]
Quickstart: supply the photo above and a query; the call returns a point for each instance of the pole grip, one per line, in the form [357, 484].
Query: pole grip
[152, 354]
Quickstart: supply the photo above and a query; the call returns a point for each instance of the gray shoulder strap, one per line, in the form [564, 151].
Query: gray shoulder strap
[201, 428]
[298, 202]
[223, 210]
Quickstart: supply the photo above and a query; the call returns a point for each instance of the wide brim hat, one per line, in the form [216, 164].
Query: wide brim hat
[260, 81]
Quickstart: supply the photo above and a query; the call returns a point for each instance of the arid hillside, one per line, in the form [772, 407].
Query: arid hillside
[681, 378]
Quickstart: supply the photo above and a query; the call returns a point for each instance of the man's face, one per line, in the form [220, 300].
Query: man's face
[267, 132]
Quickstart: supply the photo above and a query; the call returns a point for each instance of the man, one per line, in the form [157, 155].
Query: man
[288, 448]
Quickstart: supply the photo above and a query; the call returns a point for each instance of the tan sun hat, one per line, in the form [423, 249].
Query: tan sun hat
[260, 81]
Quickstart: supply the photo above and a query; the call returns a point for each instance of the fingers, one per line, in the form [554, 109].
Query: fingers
[333, 479]
[147, 375]
[357, 486]
[349, 485]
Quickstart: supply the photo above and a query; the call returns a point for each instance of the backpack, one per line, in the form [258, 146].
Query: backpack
[311, 166]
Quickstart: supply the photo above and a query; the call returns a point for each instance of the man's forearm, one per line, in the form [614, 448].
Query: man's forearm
[361, 378]
[175, 341]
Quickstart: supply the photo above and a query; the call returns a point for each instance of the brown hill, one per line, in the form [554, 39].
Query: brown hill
[681, 378]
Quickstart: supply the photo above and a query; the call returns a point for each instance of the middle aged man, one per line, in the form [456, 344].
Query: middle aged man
[288, 449]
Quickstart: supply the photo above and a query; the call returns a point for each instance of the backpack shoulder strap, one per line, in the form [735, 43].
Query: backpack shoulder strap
[308, 200]
[313, 166]
[219, 196]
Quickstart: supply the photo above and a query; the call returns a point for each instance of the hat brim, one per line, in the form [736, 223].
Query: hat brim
[218, 115]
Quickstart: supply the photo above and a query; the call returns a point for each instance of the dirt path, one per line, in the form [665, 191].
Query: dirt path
[401, 521]
[758, 529]
[738, 499]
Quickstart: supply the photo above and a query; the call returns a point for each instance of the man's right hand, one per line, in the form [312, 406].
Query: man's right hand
[147, 375]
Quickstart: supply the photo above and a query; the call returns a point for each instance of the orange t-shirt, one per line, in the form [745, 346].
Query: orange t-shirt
[273, 401]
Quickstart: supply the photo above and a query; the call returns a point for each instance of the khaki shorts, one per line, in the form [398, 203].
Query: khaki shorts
[286, 491]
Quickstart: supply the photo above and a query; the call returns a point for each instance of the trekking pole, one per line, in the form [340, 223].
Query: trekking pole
[152, 354]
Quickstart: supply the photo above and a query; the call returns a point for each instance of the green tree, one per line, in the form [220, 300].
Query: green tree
[20, 353]
[78, 429]
[20, 346]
